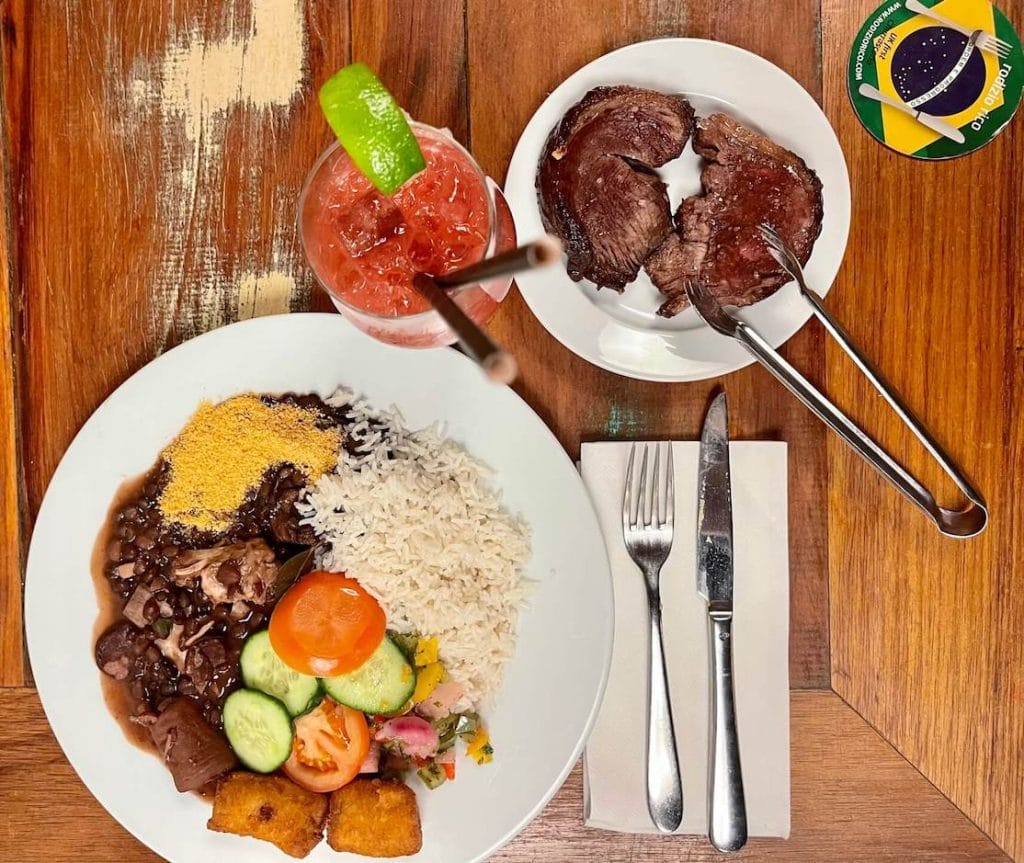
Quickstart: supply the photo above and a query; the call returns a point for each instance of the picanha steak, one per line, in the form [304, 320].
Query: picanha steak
[747, 179]
[596, 185]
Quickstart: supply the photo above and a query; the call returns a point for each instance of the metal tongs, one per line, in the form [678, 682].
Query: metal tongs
[958, 523]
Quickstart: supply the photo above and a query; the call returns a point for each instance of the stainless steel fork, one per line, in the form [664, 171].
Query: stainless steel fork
[648, 513]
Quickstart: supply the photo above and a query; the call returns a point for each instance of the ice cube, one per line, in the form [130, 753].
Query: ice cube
[372, 220]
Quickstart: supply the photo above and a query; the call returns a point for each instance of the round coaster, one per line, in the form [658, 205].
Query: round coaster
[936, 79]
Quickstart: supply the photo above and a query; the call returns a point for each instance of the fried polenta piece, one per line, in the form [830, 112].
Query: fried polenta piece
[271, 808]
[375, 818]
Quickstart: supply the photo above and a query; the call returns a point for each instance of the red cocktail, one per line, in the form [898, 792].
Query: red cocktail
[365, 247]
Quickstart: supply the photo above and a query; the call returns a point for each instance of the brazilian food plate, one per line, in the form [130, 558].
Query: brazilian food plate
[296, 593]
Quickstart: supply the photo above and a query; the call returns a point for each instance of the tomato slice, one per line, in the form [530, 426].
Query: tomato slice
[330, 746]
[326, 624]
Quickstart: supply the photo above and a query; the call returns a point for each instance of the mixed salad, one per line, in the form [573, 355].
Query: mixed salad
[330, 694]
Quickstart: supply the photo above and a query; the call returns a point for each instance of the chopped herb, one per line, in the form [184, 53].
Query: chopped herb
[433, 775]
[445, 729]
[162, 626]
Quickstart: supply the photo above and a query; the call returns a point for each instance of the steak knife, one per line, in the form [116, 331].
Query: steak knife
[727, 811]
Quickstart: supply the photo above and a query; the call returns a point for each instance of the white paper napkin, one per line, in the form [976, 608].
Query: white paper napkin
[615, 758]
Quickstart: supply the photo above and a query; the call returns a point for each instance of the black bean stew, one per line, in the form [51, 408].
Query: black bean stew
[189, 600]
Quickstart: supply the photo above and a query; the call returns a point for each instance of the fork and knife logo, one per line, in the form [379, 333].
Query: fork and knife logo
[976, 39]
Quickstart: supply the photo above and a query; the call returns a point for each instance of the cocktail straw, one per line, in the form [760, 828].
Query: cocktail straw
[499, 365]
[539, 253]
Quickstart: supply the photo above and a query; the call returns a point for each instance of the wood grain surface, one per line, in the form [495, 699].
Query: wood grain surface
[133, 220]
[928, 633]
[140, 224]
[11, 651]
[845, 779]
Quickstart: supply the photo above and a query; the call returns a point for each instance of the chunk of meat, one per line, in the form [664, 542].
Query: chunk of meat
[199, 633]
[748, 180]
[133, 608]
[280, 497]
[171, 646]
[125, 570]
[207, 662]
[285, 524]
[442, 702]
[244, 571]
[670, 265]
[271, 808]
[375, 818]
[371, 763]
[114, 649]
[193, 750]
[596, 185]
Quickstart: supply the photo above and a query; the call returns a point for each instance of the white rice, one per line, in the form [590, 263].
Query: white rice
[414, 519]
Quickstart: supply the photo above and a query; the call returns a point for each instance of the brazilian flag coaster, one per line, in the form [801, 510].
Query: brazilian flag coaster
[936, 79]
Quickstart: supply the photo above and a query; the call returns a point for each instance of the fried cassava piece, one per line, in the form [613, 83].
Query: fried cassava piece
[375, 818]
[271, 808]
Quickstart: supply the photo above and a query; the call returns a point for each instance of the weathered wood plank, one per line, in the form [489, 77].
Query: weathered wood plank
[854, 799]
[12, 662]
[927, 632]
[536, 48]
[419, 50]
[160, 191]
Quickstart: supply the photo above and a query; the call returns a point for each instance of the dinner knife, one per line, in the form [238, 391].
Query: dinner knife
[926, 120]
[727, 810]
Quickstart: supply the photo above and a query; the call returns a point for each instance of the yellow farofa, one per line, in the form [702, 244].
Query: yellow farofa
[225, 449]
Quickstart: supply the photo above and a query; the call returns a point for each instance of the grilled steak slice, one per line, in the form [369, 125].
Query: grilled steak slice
[595, 182]
[748, 179]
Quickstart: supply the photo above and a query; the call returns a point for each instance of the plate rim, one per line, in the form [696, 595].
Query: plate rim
[699, 370]
[31, 586]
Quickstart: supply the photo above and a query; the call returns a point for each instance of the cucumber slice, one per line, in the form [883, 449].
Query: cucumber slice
[405, 643]
[259, 729]
[371, 127]
[382, 684]
[263, 669]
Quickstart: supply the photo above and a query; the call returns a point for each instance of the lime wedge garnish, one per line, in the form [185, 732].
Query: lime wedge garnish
[371, 127]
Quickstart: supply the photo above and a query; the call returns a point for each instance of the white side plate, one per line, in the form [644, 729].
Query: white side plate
[622, 332]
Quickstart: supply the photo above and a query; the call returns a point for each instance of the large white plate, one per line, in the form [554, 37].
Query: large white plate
[622, 333]
[552, 687]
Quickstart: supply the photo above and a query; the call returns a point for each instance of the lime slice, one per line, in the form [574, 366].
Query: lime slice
[371, 127]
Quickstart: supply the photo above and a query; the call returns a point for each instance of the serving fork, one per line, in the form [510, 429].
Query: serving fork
[962, 523]
[648, 514]
[986, 41]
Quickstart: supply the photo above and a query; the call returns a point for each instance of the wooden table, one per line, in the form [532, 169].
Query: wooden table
[127, 231]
